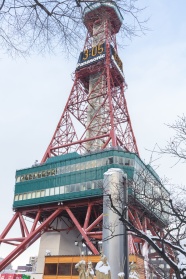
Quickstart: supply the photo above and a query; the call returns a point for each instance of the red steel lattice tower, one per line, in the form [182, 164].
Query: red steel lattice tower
[96, 114]
[95, 117]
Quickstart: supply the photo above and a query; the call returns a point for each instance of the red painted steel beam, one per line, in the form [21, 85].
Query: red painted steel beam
[152, 230]
[21, 251]
[87, 218]
[97, 221]
[131, 217]
[82, 231]
[112, 131]
[137, 239]
[23, 224]
[9, 226]
[19, 239]
[144, 223]
[131, 244]
[106, 143]
[12, 259]
[138, 220]
[36, 221]
[80, 141]
[97, 235]
[49, 208]
[15, 253]
[21, 227]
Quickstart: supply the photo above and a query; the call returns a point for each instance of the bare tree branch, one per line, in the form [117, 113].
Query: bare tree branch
[32, 25]
[149, 196]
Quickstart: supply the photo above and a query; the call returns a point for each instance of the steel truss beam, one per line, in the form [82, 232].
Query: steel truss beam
[88, 223]
[110, 123]
[89, 229]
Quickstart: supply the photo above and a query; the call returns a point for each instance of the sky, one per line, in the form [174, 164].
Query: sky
[33, 93]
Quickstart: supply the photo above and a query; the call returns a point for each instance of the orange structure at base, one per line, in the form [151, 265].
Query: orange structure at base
[63, 267]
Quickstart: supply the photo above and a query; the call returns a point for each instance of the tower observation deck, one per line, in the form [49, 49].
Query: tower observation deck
[64, 193]
[73, 177]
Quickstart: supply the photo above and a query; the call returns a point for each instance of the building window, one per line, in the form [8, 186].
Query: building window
[78, 187]
[18, 179]
[89, 185]
[98, 163]
[121, 161]
[47, 192]
[110, 161]
[51, 191]
[42, 193]
[33, 195]
[64, 269]
[56, 190]
[74, 270]
[38, 194]
[66, 189]
[62, 189]
[127, 162]
[84, 186]
[59, 170]
[50, 269]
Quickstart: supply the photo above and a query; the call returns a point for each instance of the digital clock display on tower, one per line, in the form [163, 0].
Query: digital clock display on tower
[91, 55]
[97, 53]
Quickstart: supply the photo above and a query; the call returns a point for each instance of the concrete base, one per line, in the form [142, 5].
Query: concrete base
[58, 243]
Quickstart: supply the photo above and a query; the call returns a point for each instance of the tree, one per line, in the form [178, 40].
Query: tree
[33, 25]
[166, 230]
[176, 146]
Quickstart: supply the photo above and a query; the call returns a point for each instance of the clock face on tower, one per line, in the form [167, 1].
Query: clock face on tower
[93, 52]
[97, 53]
[91, 55]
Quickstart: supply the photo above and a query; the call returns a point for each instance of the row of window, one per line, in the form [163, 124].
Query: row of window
[89, 185]
[61, 269]
[77, 167]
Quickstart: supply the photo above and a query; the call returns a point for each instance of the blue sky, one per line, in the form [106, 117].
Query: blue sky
[34, 91]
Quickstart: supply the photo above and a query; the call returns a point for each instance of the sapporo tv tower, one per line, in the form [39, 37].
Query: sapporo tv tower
[63, 194]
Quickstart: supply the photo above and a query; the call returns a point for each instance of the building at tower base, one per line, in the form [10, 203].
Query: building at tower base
[63, 267]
